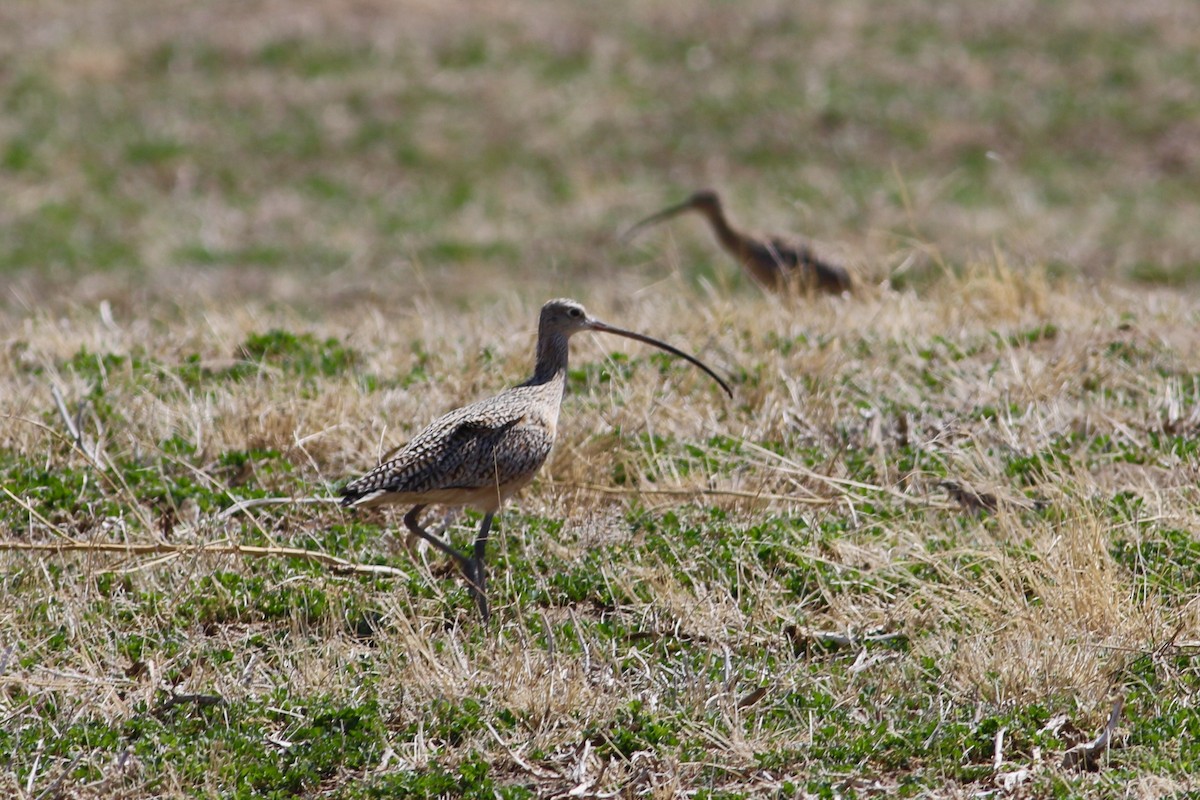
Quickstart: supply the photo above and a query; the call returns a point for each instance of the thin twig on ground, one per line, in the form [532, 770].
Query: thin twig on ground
[617, 490]
[336, 564]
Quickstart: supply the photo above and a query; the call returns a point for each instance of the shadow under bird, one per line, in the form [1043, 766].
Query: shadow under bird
[485, 452]
[776, 263]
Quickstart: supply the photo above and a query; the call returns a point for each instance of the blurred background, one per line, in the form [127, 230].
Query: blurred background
[331, 151]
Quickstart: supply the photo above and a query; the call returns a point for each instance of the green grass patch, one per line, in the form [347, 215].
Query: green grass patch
[301, 354]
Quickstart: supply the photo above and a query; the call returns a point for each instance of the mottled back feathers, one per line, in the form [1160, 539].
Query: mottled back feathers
[496, 443]
[781, 260]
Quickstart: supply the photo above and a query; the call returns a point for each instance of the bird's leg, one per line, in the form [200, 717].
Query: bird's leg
[413, 543]
[472, 567]
[476, 577]
[412, 520]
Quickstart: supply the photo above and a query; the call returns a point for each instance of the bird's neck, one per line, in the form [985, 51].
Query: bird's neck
[729, 238]
[552, 355]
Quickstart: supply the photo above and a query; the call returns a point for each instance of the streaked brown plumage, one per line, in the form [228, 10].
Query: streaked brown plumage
[776, 263]
[485, 452]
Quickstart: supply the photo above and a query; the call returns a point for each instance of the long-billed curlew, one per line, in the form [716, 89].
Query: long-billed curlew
[776, 263]
[485, 452]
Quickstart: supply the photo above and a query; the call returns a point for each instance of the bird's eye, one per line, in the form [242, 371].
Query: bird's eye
[576, 312]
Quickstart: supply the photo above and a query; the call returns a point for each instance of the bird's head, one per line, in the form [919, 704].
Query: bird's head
[564, 317]
[705, 200]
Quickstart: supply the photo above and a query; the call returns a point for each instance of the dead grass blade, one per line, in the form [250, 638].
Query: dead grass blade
[337, 565]
[787, 466]
[74, 425]
[246, 505]
[38, 515]
[1087, 755]
[693, 492]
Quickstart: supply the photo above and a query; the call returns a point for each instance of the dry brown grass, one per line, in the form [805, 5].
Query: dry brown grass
[1018, 610]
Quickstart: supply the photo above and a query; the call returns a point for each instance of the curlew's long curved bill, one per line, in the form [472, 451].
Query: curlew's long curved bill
[653, 219]
[604, 327]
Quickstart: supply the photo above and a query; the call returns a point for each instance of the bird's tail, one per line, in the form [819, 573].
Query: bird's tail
[353, 496]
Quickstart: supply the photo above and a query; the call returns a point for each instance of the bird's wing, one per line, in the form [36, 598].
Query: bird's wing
[788, 253]
[797, 255]
[477, 446]
[513, 454]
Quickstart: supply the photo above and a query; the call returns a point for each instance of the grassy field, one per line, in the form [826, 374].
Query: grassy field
[943, 526]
